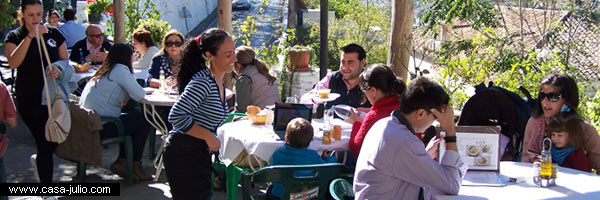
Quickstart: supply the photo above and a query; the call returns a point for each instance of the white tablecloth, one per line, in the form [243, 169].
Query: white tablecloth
[138, 73]
[261, 141]
[571, 184]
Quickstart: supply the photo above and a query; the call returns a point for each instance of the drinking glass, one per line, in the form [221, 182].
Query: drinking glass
[328, 118]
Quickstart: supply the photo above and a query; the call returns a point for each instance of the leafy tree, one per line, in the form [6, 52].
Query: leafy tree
[136, 11]
[7, 15]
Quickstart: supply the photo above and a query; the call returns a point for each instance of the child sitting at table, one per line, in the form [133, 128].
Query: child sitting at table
[298, 135]
[567, 141]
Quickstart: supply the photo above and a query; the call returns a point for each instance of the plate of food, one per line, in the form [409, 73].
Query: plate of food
[325, 95]
[472, 150]
[486, 148]
[482, 161]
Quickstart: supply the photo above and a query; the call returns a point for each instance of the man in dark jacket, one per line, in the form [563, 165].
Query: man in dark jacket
[344, 81]
[93, 48]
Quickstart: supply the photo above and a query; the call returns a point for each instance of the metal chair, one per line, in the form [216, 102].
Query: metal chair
[313, 187]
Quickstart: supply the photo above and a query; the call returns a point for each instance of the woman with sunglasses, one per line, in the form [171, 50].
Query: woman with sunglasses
[199, 110]
[21, 50]
[383, 90]
[167, 59]
[557, 94]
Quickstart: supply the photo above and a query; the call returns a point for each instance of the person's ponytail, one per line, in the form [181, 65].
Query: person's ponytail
[192, 61]
[262, 68]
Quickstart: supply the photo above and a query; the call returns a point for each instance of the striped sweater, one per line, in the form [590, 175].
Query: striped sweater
[199, 103]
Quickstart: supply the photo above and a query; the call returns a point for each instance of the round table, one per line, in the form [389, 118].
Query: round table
[154, 98]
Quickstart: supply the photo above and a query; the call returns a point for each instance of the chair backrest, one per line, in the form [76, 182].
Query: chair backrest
[341, 189]
[305, 187]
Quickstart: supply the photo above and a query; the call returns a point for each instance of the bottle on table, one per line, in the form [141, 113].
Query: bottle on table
[163, 81]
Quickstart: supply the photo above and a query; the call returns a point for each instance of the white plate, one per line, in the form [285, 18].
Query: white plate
[332, 96]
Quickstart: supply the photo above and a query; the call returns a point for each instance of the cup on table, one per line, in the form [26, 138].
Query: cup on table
[324, 93]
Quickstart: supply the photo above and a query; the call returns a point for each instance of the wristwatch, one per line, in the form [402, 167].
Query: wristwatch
[449, 139]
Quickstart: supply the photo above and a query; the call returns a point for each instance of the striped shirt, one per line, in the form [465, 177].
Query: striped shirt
[199, 103]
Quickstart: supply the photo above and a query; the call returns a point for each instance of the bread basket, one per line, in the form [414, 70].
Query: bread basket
[82, 68]
[258, 119]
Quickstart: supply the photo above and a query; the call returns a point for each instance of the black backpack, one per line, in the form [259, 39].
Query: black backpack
[496, 106]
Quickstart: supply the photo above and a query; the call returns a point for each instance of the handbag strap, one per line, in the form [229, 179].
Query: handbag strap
[39, 39]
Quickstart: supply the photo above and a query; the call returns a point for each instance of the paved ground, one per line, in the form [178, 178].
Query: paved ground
[22, 146]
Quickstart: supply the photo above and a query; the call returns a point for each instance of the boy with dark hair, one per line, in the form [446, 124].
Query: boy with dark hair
[298, 135]
[393, 163]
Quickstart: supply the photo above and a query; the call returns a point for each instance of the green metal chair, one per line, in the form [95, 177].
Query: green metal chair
[122, 138]
[341, 189]
[218, 165]
[307, 186]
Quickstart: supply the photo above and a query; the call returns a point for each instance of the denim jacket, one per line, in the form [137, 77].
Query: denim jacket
[66, 82]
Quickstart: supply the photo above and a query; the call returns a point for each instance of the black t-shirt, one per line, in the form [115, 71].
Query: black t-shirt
[29, 83]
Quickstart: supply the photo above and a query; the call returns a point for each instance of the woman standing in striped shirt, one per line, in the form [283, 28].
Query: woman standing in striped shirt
[198, 112]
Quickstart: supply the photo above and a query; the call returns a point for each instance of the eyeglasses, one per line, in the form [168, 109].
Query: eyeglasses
[170, 44]
[96, 36]
[552, 97]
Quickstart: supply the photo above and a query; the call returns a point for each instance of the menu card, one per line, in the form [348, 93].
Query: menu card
[478, 146]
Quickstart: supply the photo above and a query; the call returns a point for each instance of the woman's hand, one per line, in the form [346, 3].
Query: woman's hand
[172, 81]
[353, 117]
[53, 72]
[214, 144]
[41, 29]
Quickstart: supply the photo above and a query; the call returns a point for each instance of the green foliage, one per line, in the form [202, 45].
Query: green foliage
[369, 28]
[137, 11]
[490, 57]
[477, 12]
[99, 6]
[158, 29]
[8, 11]
[590, 109]
[247, 29]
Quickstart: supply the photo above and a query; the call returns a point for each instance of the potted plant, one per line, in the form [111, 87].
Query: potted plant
[96, 8]
[298, 58]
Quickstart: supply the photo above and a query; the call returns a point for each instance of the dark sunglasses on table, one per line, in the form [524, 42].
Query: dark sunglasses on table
[552, 97]
[96, 36]
[170, 44]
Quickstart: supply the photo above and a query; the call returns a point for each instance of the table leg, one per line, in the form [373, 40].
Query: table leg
[155, 120]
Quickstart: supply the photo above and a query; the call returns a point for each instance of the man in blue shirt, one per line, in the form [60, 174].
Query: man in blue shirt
[72, 31]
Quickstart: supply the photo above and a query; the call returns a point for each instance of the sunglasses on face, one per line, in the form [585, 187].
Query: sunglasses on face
[170, 44]
[96, 36]
[552, 97]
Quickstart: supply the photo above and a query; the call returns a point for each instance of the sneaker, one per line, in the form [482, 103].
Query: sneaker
[32, 161]
[119, 167]
[139, 173]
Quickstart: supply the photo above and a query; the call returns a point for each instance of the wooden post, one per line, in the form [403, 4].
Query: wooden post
[402, 20]
[119, 16]
[224, 22]
[292, 14]
[323, 57]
